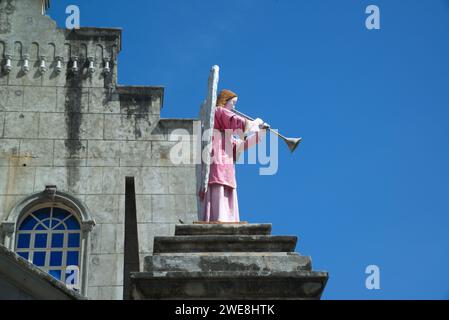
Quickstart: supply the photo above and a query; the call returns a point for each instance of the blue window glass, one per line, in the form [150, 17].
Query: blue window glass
[40, 226]
[60, 226]
[72, 223]
[57, 240]
[55, 273]
[72, 258]
[40, 241]
[24, 255]
[60, 214]
[39, 259]
[46, 223]
[55, 259]
[24, 241]
[74, 240]
[42, 214]
[55, 222]
[28, 224]
[52, 238]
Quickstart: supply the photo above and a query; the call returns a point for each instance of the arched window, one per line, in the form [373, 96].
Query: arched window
[50, 238]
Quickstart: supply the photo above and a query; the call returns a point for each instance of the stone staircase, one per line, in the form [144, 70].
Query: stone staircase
[227, 261]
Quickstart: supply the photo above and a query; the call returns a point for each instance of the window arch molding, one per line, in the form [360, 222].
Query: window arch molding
[52, 197]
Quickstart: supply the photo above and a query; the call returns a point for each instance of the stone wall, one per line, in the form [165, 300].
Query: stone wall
[80, 131]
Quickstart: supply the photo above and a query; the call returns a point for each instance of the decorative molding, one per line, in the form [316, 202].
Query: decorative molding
[42, 67]
[7, 9]
[88, 225]
[8, 67]
[42, 197]
[26, 63]
[74, 68]
[59, 62]
[50, 191]
[91, 65]
[7, 228]
[107, 67]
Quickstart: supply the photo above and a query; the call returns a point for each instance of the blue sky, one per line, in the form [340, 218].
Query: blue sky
[370, 183]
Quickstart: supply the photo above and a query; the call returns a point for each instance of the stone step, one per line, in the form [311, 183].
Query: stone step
[224, 243]
[250, 285]
[288, 262]
[219, 254]
[222, 229]
[218, 222]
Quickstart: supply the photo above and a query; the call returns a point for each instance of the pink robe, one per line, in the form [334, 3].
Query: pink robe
[220, 201]
[222, 170]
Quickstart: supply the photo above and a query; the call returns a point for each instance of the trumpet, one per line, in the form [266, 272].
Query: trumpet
[292, 143]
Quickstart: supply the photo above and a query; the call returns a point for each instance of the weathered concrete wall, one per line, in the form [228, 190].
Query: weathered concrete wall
[83, 133]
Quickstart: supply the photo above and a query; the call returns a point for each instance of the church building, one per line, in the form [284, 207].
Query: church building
[96, 201]
[69, 136]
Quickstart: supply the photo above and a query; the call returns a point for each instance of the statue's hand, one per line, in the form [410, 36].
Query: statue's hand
[255, 125]
[258, 121]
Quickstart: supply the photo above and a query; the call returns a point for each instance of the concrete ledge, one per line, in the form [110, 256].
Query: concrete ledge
[303, 285]
[140, 94]
[225, 243]
[230, 262]
[222, 229]
[220, 254]
[95, 34]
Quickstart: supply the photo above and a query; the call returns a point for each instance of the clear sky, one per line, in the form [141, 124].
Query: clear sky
[370, 183]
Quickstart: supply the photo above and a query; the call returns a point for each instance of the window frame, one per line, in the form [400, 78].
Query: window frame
[32, 249]
[8, 228]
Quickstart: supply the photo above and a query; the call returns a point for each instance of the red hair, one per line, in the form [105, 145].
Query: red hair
[224, 96]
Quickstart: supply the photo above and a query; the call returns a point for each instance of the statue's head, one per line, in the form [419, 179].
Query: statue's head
[227, 99]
